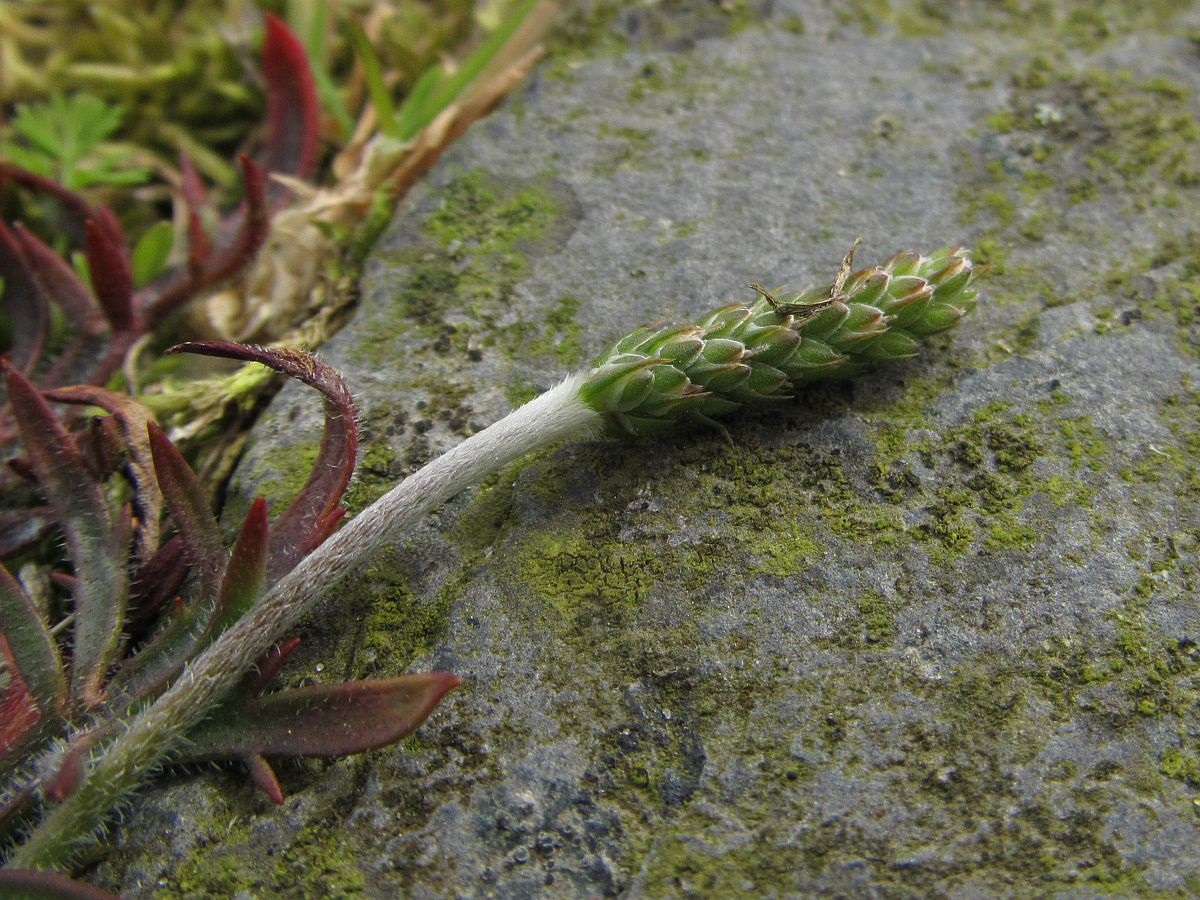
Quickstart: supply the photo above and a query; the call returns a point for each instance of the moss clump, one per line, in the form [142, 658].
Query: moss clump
[1181, 765]
[878, 619]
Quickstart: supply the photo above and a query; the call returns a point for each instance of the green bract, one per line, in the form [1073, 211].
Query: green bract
[741, 353]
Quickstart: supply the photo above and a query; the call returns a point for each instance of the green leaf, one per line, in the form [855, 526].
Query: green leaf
[435, 90]
[61, 138]
[381, 97]
[151, 252]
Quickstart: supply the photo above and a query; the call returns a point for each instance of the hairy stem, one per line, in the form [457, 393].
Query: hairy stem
[153, 735]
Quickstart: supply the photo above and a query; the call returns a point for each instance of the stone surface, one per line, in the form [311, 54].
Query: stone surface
[933, 632]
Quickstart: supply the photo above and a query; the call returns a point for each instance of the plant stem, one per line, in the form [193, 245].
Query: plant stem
[154, 733]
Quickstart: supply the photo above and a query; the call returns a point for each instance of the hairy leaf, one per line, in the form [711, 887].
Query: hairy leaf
[252, 223]
[326, 720]
[246, 574]
[20, 714]
[79, 505]
[313, 514]
[187, 502]
[134, 420]
[155, 583]
[32, 656]
[61, 284]
[196, 198]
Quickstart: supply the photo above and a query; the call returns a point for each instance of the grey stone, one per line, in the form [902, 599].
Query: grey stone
[930, 633]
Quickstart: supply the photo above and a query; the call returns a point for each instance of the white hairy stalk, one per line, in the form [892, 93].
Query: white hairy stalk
[154, 733]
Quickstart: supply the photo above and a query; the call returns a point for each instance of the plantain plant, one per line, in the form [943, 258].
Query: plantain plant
[649, 381]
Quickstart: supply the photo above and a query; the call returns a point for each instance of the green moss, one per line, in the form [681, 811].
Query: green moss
[463, 271]
[397, 625]
[1181, 765]
[878, 619]
[227, 860]
[374, 476]
[1085, 444]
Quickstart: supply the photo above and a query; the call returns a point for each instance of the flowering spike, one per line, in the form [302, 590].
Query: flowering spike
[761, 351]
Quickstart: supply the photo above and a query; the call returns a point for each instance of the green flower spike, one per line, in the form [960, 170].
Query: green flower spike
[740, 354]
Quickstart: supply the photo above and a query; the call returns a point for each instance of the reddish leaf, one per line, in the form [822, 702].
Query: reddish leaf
[102, 446]
[79, 209]
[252, 222]
[196, 197]
[60, 283]
[246, 574]
[24, 303]
[112, 279]
[187, 501]
[69, 776]
[314, 513]
[264, 777]
[133, 419]
[37, 687]
[83, 515]
[292, 110]
[327, 720]
[37, 885]
[156, 582]
[270, 666]
[19, 711]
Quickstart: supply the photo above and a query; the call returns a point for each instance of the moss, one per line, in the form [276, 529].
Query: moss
[463, 270]
[398, 625]
[1181, 765]
[1084, 444]
[319, 861]
[877, 619]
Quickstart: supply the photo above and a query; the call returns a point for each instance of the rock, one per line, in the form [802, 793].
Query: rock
[932, 632]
